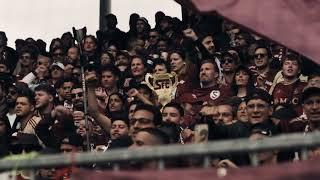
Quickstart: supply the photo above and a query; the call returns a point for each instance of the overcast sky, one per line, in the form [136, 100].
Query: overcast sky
[47, 19]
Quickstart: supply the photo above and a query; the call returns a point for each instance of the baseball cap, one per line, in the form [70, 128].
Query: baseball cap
[263, 129]
[309, 91]
[24, 141]
[59, 64]
[285, 113]
[92, 66]
[260, 94]
[72, 139]
[143, 19]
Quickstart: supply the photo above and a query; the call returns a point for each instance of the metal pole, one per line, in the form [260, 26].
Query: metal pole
[161, 165]
[85, 106]
[206, 161]
[84, 89]
[105, 8]
[160, 152]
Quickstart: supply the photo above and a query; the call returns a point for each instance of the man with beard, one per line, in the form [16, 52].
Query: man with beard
[242, 42]
[210, 91]
[79, 116]
[26, 120]
[77, 98]
[229, 63]
[262, 71]
[44, 96]
[204, 45]
[11, 97]
[55, 121]
[204, 42]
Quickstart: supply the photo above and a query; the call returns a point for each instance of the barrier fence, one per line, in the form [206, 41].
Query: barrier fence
[290, 141]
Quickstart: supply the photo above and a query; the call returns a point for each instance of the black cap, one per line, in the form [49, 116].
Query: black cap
[285, 113]
[91, 66]
[263, 129]
[309, 91]
[121, 142]
[24, 139]
[260, 94]
[73, 139]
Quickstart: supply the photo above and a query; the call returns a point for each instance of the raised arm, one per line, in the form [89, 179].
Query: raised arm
[103, 121]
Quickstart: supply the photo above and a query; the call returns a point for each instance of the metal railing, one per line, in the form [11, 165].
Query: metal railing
[281, 142]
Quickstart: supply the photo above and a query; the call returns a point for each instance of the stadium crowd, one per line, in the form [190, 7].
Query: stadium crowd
[230, 83]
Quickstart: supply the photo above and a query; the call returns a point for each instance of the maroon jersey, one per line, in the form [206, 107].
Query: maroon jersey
[188, 81]
[289, 94]
[212, 95]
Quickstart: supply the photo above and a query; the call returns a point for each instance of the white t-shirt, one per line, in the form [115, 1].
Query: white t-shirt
[12, 118]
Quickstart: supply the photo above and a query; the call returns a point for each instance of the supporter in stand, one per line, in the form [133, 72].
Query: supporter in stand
[185, 71]
[229, 63]
[262, 71]
[242, 83]
[106, 58]
[58, 54]
[289, 91]
[90, 48]
[7, 53]
[123, 111]
[73, 56]
[25, 63]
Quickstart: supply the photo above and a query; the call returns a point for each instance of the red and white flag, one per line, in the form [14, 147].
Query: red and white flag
[292, 23]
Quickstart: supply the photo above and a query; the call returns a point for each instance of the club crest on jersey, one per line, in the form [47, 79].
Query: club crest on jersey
[215, 94]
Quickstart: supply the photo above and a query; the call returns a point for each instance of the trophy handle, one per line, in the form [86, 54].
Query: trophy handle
[149, 78]
[174, 78]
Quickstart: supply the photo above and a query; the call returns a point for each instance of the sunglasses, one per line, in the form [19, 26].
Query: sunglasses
[80, 94]
[12, 92]
[227, 60]
[256, 56]
[58, 54]
[25, 57]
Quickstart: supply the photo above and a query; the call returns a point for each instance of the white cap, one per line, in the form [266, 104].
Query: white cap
[59, 64]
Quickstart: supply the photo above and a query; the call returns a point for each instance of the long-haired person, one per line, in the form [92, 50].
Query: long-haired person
[243, 82]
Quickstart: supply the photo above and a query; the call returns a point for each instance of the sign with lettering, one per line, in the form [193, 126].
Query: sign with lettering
[164, 85]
